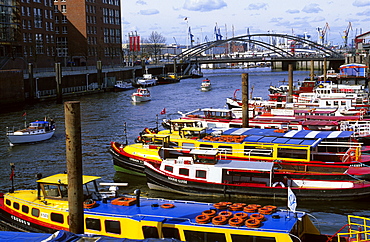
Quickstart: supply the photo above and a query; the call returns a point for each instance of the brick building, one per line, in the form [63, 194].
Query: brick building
[72, 32]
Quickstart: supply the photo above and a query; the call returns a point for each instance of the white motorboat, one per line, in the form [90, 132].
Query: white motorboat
[35, 132]
[122, 86]
[206, 85]
[141, 95]
[146, 80]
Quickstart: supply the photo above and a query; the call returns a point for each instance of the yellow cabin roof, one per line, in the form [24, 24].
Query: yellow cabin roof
[63, 179]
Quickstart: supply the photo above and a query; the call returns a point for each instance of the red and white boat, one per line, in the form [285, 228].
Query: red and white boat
[141, 95]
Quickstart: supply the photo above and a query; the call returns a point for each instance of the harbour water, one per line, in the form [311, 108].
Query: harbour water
[104, 117]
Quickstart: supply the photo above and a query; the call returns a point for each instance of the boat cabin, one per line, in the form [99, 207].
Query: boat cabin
[56, 187]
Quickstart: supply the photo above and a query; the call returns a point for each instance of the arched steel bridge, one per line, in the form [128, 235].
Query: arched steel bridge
[321, 50]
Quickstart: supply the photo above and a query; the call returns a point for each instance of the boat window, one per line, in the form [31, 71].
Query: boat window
[184, 172]
[251, 238]
[197, 236]
[170, 233]
[225, 149]
[187, 145]
[57, 217]
[206, 146]
[51, 191]
[25, 209]
[35, 212]
[168, 168]
[292, 153]
[93, 224]
[113, 227]
[16, 205]
[150, 232]
[258, 151]
[8, 202]
[64, 191]
[201, 174]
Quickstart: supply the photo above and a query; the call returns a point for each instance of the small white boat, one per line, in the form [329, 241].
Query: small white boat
[146, 80]
[122, 86]
[35, 132]
[206, 85]
[141, 95]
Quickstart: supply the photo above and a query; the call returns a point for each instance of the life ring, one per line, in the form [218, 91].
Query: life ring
[241, 204]
[265, 210]
[273, 208]
[236, 207]
[202, 219]
[236, 221]
[255, 205]
[167, 205]
[250, 209]
[278, 183]
[226, 214]
[257, 216]
[210, 212]
[219, 220]
[241, 215]
[252, 223]
[89, 203]
[124, 201]
[222, 205]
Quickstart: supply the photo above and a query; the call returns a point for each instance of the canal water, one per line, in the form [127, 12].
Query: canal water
[104, 117]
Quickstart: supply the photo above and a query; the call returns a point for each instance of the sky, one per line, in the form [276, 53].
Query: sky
[173, 18]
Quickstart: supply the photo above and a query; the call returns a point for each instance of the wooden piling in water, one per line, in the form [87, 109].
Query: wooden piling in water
[58, 79]
[290, 83]
[245, 100]
[74, 166]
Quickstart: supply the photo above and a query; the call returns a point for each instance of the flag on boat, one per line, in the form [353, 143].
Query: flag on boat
[292, 200]
[163, 111]
[12, 174]
[24, 114]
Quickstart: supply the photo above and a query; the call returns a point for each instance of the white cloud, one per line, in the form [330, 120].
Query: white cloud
[140, 2]
[364, 13]
[149, 12]
[292, 11]
[361, 3]
[204, 5]
[312, 8]
[257, 6]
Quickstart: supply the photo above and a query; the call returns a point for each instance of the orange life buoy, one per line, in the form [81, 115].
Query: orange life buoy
[210, 212]
[241, 215]
[219, 220]
[257, 216]
[202, 219]
[273, 208]
[89, 203]
[236, 207]
[265, 210]
[124, 201]
[226, 214]
[167, 205]
[252, 223]
[249, 209]
[236, 221]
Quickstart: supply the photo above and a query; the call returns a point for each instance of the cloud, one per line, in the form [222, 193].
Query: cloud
[140, 2]
[204, 5]
[312, 8]
[364, 13]
[292, 11]
[361, 3]
[149, 12]
[318, 19]
[257, 6]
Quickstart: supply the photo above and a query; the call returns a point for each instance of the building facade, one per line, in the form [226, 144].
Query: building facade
[72, 32]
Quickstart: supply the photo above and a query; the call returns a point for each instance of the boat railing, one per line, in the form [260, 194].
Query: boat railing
[358, 229]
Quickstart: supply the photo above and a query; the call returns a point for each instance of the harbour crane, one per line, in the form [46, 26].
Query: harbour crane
[345, 34]
[322, 34]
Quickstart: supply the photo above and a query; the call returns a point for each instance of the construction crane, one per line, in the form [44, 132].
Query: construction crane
[322, 34]
[345, 34]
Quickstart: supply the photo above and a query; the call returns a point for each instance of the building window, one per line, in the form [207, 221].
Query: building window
[64, 19]
[63, 8]
[55, 8]
[64, 30]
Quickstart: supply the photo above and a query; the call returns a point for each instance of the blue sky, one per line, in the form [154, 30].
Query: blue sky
[234, 17]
